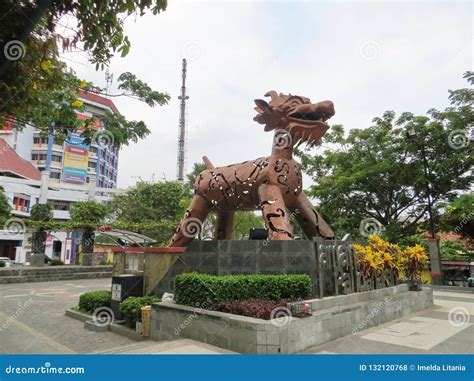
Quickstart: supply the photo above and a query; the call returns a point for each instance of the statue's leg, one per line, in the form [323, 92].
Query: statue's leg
[224, 224]
[309, 219]
[275, 213]
[191, 224]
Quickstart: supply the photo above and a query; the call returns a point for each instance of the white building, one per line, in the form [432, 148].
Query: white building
[22, 165]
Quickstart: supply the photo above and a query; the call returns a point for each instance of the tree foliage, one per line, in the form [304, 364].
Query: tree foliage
[160, 205]
[378, 172]
[459, 215]
[5, 208]
[36, 87]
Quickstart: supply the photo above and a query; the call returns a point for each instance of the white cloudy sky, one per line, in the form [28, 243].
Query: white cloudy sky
[365, 56]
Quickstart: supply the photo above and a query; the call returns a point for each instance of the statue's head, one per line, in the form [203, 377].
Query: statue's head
[305, 121]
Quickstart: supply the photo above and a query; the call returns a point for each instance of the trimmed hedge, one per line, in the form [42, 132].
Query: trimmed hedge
[90, 301]
[260, 309]
[195, 289]
[131, 307]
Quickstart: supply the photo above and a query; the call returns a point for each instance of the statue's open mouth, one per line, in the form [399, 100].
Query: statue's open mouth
[310, 116]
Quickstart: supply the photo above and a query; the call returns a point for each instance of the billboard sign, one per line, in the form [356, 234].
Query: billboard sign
[76, 158]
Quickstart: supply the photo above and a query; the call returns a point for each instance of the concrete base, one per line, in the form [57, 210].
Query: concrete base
[37, 260]
[52, 273]
[334, 317]
[93, 326]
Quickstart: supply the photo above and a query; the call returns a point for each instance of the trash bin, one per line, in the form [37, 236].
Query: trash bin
[146, 320]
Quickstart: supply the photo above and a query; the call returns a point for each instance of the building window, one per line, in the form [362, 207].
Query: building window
[61, 206]
[55, 175]
[39, 140]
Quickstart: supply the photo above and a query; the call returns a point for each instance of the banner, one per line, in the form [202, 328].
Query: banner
[75, 160]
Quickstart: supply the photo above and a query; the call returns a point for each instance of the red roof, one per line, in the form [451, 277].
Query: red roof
[11, 162]
[96, 98]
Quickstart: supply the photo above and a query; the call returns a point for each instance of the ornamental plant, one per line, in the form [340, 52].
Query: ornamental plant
[377, 256]
[411, 261]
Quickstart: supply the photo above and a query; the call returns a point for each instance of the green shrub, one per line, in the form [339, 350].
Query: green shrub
[56, 262]
[195, 289]
[131, 307]
[2, 264]
[90, 301]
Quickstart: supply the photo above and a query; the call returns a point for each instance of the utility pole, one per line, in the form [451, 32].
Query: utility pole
[182, 124]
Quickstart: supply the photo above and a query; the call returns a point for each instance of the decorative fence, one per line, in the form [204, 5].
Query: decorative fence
[338, 272]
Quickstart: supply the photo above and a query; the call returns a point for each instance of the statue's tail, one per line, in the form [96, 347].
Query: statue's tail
[207, 162]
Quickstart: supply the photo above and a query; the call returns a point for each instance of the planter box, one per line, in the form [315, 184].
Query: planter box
[333, 317]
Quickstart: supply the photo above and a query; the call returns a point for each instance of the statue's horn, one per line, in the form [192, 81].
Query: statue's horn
[272, 93]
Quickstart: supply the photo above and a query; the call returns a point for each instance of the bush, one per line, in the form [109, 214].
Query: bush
[131, 307]
[56, 262]
[260, 309]
[195, 289]
[2, 264]
[90, 301]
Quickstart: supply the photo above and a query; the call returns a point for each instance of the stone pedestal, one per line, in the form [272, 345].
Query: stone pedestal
[87, 259]
[37, 260]
[240, 257]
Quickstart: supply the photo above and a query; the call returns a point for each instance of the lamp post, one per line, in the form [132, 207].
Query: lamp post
[433, 243]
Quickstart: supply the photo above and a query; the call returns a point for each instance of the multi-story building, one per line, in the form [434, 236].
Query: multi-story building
[76, 167]
[23, 156]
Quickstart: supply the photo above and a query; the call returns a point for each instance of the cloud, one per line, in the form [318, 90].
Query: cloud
[367, 57]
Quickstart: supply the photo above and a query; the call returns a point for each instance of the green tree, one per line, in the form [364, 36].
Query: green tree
[37, 87]
[243, 222]
[459, 215]
[5, 208]
[88, 215]
[41, 215]
[153, 209]
[379, 173]
[197, 169]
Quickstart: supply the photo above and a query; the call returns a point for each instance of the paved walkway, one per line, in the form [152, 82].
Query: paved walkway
[32, 320]
[446, 328]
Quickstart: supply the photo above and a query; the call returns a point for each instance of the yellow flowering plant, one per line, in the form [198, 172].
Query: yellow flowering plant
[411, 261]
[377, 256]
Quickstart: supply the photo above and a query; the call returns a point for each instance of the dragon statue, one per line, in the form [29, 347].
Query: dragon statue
[273, 184]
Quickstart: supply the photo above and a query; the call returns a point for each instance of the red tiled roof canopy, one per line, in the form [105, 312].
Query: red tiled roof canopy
[96, 98]
[11, 162]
